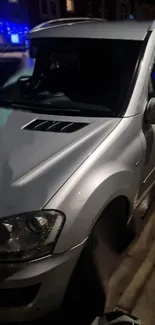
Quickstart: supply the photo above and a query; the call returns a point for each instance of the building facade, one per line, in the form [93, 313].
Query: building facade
[92, 8]
[43, 10]
[82, 8]
[143, 12]
[37, 11]
[14, 10]
[108, 9]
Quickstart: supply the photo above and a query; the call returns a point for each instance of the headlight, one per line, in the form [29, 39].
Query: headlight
[30, 235]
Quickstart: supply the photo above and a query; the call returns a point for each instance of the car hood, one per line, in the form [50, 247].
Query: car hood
[35, 164]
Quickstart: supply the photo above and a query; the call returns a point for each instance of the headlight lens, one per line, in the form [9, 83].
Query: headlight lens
[30, 235]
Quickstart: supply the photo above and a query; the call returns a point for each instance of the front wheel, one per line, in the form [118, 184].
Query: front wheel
[84, 298]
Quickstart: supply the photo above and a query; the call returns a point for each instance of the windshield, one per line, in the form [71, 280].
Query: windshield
[77, 75]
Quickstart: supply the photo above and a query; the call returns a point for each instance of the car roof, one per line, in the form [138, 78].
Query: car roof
[92, 28]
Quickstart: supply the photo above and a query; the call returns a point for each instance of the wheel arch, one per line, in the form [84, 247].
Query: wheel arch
[117, 201]
[86, 203]
[112, 224]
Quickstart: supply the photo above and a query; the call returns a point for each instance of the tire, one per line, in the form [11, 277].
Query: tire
[114, 226]
[84, 298]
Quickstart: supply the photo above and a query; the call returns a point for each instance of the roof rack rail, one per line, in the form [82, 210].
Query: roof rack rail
[64, 21]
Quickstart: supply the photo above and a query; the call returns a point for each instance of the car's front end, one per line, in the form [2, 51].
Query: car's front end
[35, 288]
[53, 117]
[34, 166]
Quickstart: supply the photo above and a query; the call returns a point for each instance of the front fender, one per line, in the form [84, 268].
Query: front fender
[84, 203]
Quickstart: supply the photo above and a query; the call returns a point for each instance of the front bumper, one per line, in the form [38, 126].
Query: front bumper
[31, 290]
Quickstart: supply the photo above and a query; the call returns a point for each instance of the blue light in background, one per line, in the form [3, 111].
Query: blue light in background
[13, 33]
[131, 17]
[153, 75]
[15, 39]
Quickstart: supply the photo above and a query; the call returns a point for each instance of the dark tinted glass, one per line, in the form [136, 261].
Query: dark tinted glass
[92, 72]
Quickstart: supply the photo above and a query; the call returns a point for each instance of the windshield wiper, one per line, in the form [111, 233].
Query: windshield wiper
[60, 108]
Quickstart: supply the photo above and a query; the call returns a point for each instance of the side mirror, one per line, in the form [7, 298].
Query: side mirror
[150, 111]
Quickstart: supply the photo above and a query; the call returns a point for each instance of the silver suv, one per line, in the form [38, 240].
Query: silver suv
[77, 158]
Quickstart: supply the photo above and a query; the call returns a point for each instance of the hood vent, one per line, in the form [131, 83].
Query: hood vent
[54, 126]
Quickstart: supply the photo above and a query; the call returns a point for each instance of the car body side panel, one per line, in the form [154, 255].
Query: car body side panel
[113, 169]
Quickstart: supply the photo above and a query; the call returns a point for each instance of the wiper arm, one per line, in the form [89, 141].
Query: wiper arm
[59, 108]
[38, 109]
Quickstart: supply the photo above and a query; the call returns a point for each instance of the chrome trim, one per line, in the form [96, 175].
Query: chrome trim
[148, 176]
